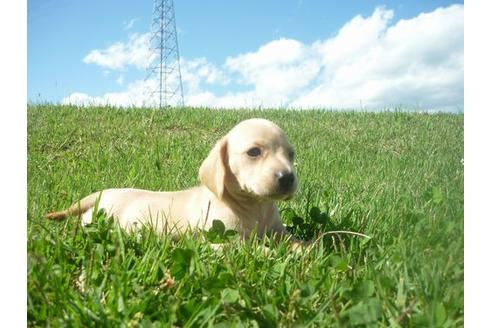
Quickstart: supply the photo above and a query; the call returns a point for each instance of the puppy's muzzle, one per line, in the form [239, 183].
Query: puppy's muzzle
[286, 182]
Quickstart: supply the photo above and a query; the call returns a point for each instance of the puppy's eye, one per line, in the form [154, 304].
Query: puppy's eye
[254, 152]
[291, 155]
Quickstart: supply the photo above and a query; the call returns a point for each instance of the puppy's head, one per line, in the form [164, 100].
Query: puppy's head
[254, 160]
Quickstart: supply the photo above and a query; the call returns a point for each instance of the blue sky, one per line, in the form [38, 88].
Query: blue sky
[255, 53]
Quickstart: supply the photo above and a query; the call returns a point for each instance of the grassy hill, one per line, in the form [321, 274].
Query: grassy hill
[396, 177]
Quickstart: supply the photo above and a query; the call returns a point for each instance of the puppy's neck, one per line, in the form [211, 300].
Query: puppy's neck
[244, 202]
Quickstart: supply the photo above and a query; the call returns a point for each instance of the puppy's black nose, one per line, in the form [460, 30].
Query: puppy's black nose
[285, 181]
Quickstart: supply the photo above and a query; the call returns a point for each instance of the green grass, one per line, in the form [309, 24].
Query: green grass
[397, 177]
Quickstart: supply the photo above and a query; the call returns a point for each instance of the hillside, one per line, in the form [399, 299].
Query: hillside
[396, 177]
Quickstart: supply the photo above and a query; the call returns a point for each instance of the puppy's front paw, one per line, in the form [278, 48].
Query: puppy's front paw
[217, 247]
[299, 246]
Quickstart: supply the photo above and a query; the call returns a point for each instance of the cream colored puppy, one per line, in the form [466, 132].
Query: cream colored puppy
[243, 176]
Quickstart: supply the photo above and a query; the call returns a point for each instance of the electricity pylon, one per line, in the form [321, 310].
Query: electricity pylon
[165, 67]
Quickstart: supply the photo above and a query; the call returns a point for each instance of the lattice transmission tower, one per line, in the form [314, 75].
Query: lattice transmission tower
[164, 70]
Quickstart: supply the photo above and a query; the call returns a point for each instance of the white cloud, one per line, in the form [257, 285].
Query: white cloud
[370, 62]
[416, 62]
[119, 55]
[278, 70]
[130, 23]
[196, 75]
[138, 93]
[198, 71]
[78, 99]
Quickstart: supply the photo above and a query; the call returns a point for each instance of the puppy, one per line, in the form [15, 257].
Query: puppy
[246, 172]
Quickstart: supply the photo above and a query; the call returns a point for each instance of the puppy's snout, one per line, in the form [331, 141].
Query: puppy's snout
[285, 181]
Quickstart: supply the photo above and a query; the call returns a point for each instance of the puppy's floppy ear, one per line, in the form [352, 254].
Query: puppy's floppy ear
[213, 169]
